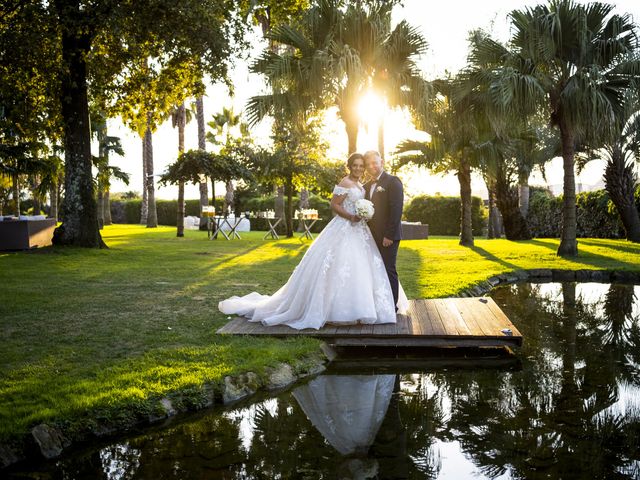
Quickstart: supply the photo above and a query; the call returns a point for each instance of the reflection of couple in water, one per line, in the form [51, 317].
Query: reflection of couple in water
[358, 415]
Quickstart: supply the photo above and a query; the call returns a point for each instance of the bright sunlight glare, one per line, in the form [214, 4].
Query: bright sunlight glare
[371, 108]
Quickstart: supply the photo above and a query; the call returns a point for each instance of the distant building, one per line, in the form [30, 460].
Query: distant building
[580, 187]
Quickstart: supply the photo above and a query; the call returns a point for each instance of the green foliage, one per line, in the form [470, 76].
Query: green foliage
[442, 214]
[128, 211]
[597, 217]
[545, 213]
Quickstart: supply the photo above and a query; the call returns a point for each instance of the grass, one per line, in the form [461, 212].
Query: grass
[93, 335]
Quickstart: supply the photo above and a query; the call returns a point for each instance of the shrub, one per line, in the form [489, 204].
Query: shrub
[442, 214]
[596, 215]
[545, 213]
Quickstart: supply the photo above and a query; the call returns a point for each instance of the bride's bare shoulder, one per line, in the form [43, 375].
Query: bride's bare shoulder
[346, 182]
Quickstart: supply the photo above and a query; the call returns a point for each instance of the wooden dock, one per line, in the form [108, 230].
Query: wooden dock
[442, 322]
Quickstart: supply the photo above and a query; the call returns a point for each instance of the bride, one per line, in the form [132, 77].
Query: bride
[341, 279]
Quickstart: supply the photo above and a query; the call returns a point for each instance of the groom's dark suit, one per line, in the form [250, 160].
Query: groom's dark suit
[387, 199]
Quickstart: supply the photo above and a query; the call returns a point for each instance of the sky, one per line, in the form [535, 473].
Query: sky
[444, 24]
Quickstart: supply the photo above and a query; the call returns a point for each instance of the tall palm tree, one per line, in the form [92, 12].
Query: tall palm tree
[368, 54]
[572, 60]
[227, 129]
[202, 146]
[452, 148]
[339, 54]
[622, 151]
[107, 144]
[179, 118]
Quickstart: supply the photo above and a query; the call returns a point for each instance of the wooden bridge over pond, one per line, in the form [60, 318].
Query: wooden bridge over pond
[442, 322]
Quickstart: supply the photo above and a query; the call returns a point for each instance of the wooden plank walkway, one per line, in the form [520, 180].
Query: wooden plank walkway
[442, 322]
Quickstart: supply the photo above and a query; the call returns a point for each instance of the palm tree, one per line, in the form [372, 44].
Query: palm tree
[452, 148]
[572, 60]
[227, 129]
[107, 144]
[367, 54]
[202, 146]
[621, 151]
[338, 55]
[179, 118]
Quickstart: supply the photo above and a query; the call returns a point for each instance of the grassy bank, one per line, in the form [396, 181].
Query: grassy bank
[86, 333]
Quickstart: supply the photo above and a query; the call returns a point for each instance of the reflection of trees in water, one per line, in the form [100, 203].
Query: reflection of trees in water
[421, 415]
[286, 445]
[562, 416]
[547, 419]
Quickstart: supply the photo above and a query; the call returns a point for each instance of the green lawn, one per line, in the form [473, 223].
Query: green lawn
[102, 334]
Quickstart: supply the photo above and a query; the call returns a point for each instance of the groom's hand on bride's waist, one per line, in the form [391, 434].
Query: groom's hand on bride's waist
[386, 242]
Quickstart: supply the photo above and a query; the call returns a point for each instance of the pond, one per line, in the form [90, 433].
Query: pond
[566, 405]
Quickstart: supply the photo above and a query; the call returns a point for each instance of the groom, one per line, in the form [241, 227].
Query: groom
[386, 193]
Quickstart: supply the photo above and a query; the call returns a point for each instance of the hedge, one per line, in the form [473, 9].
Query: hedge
[596, 215]
[442, 214]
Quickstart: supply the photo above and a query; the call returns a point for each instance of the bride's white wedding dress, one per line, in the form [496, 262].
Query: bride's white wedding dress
[340, 280]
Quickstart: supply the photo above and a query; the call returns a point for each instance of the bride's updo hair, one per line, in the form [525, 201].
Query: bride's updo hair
[353, 157]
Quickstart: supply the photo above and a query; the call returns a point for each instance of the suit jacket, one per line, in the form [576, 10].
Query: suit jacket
[387, 199]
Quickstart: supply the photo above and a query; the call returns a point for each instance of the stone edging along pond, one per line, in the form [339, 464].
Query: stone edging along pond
[50, 441]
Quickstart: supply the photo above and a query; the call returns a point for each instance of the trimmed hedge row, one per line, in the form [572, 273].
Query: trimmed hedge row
[443, 214]
[596, 214]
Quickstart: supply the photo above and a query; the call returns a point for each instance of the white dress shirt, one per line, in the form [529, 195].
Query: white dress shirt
[374, 185]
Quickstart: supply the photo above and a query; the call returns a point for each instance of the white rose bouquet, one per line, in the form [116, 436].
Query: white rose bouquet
[364, 209]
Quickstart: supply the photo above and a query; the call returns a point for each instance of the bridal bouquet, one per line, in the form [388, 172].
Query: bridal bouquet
[364, 209]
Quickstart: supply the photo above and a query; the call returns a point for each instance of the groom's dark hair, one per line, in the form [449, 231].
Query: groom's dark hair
[353, 157]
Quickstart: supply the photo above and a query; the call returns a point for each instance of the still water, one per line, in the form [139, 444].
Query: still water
[567, 405]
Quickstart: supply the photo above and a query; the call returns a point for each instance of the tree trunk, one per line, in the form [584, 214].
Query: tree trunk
[492, 231]
[466, 226]
[228, 197]
[181, 123]
[289, 208]
[524, 199]
[213, 195]
[568, 243]
[53, 201]
[106, 207]
[202, 145]
[180, 218]
[515, 225]
[100, 183]
[100, 206]
[620, 181]
[152, 214]
[15, 185]
[279, 206]
[352, 134]
[144, 205]
[303, 204]
[36, 200]
[80, 222]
